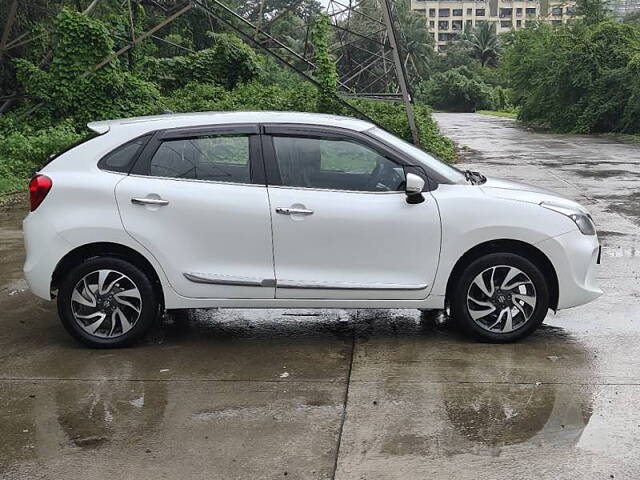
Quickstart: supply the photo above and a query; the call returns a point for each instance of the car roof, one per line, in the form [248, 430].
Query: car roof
[176, 120]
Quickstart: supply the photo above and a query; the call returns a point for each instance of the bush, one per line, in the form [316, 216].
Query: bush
[228, 63]
[582, 78]
[69, 91]
[460, 90]
[22, 153]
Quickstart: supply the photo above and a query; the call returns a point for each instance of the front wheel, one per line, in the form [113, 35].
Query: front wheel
[107, 302]
[500, 297]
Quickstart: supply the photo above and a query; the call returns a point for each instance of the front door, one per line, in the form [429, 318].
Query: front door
[342, 227]
[194, 203]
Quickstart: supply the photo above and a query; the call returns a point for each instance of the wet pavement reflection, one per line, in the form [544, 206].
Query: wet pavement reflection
[262, 393]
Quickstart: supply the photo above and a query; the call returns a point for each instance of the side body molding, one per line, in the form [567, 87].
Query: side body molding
[270, 282]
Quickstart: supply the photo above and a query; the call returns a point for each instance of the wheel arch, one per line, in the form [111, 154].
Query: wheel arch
[517, 247]
[100, 249]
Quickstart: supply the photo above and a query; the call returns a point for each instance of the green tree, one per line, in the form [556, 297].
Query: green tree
[593, 11]
[581, 78]
[415, 41]
[229, 62]
[483, 43]
[71, 88]
[325, 74]
[459, 90]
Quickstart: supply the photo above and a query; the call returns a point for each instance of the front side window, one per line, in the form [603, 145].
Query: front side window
[447, 171]
[335, 164]
[222, 158]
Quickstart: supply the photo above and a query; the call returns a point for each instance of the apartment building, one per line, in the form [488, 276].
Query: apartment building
[446, 19]
[620, 8]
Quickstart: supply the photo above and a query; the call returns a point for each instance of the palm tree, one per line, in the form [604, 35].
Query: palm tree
[415, 41]
[483, 42]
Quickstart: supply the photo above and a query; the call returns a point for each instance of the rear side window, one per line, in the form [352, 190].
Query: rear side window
[122, 158]
[222, 158]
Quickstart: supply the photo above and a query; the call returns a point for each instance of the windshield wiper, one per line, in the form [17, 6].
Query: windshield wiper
[474, 178]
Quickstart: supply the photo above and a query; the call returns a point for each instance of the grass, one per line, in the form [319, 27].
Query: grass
[625, 137]
[498, 113]
[11, 184]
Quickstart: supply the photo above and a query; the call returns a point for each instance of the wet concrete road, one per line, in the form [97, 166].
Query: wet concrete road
[349, 395]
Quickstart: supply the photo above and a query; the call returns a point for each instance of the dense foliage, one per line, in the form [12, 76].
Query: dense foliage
[188, 69]
[462, 89]
[465, 77]
[70, 90]
[582, 78]
[325, 74]
[228, 62]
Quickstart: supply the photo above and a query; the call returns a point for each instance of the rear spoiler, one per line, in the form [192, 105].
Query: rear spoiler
[99, 127]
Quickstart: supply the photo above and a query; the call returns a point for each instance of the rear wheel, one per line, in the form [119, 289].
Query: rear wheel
[107, 302]
[500, 297]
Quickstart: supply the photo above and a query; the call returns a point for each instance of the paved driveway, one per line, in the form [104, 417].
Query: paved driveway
[350, 395]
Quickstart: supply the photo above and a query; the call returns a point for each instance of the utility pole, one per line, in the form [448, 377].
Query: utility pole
[401, 74]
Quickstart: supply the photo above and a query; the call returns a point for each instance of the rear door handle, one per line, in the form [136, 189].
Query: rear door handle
[150, 201]
[293, 211]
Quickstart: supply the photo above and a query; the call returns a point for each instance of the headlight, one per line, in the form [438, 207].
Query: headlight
[582, 220]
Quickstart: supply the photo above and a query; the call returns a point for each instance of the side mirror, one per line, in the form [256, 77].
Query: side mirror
[414, 185]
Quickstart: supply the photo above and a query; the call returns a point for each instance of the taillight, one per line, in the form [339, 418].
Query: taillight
[39, 187]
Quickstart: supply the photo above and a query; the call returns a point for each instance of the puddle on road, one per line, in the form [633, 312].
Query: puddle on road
[500, 415]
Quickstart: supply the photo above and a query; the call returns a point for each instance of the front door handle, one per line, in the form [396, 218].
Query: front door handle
[150, 201]
[293, 211]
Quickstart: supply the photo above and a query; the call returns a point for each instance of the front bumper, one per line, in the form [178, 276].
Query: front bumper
[575, 258]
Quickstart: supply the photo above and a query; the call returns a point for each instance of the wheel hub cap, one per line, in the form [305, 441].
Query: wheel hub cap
[501, 299]
[106, 303]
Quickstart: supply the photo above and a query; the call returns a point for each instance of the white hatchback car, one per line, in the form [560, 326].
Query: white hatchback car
[280, 209]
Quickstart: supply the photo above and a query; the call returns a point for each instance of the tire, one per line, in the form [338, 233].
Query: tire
[520, 301]
[124, 287]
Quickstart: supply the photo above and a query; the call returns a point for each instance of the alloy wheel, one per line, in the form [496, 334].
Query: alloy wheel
[106, 303]
[501, 299]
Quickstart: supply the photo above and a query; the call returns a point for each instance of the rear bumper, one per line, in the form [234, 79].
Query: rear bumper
[575, 258]
[44, 248]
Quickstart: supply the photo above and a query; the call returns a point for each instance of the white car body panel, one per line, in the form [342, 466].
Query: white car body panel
[365, 239]
[210, 232]
[396, 258]
[470, 217]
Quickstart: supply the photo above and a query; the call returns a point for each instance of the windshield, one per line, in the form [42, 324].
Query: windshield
[447, 171]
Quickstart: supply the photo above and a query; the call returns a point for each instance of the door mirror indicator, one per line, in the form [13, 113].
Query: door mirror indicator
[413, 188]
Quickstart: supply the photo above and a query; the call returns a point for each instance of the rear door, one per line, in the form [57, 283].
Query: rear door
[342, 227]
[196, 199]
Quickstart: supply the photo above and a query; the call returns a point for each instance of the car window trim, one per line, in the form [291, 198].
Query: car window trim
[257, 176]
[320, 131]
